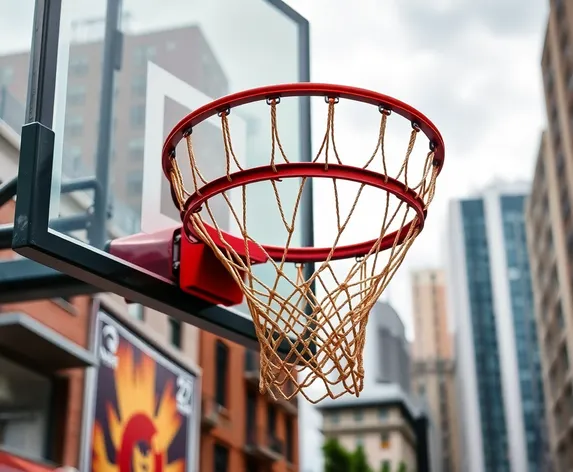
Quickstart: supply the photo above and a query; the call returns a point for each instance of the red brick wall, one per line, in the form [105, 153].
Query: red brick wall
[232, 434]
[72, 321]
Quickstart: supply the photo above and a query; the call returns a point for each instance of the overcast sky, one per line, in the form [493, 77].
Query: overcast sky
[470, 66]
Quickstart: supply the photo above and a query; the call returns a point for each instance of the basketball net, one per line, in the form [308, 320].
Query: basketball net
[335, 321]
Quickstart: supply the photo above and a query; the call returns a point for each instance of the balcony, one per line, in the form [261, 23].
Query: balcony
[213, 415]
[264, 447]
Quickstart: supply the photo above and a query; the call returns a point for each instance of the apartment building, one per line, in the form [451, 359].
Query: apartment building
[550, 234]
[384, 422]
[433, 363]
[498, 372]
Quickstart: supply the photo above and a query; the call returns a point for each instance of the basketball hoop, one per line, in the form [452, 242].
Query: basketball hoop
[336, 320]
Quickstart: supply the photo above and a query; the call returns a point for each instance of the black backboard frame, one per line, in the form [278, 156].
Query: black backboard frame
[34, 239]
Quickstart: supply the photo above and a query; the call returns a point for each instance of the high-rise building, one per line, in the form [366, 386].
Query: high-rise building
[433, 360]
[498, 373]
[386, 351]
[550, 234]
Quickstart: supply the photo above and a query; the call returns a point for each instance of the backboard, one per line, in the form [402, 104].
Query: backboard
[108, 81]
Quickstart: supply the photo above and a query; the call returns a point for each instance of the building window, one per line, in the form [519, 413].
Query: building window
[144, 54]
[135, 310]
[175, 332]
[171, 45]
[137, 116]
[72, 165]
[271, 420]
[358, 414]
[134, 185]
[359, 440]
[136, 147]
[382, 413]
[222, 367]
[385, 441]
[79, 66]
[74, 126]
[289, 440]
[6, 75]
[76, 95]
[24, 409]
[221, 458]
[139, 85]
[334, 418]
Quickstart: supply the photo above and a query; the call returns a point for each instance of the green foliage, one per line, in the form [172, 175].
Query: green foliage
[402, 467]
[359, 462]
[336, 458]
[385, 467]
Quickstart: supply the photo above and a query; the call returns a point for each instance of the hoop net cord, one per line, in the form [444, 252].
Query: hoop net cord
[335, 321]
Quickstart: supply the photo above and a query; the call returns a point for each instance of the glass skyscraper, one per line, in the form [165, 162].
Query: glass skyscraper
[498, 371]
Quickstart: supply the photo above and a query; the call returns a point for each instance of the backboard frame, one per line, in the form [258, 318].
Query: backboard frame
[35, 240]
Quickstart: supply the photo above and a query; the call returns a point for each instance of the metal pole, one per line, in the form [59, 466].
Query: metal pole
[112, 46]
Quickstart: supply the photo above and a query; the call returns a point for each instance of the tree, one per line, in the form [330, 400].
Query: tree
[359, 461]
[385, 467]
[336, 458]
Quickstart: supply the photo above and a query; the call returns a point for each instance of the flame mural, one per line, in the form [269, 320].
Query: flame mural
[136, 427]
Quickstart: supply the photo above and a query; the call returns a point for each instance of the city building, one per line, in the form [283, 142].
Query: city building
[550, 234]
[383, 420]
[498, 372]
[386, 351]
[433, 360]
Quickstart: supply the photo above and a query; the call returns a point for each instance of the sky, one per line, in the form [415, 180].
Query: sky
[471, 66]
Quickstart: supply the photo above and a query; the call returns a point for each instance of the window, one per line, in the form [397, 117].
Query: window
[359, 440]
[271, 420]
[334, 418]
[136, 149]
[358, 414]
[386, 466]
[171, 45]
[76, 95]
[79, 66]
[289, 440]
[139, 85]
[222, 367]
[382, 413]
[74, 126]
[137, 116]
[72, 165]
[24, 409]
[385, 440]
[175, 332]
[135, 310]
[221, 458]
[6, 75]
[134, 185]
[144, 54]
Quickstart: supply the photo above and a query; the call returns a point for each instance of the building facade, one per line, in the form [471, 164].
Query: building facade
[433, 360]
[550, 233]
[384, 423]
[386, 351]
[498, 372]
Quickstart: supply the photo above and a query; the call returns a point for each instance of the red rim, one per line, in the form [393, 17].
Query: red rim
[310, 169]
[307, 169]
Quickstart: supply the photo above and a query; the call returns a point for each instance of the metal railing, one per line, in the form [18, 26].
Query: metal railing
[12, 111]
